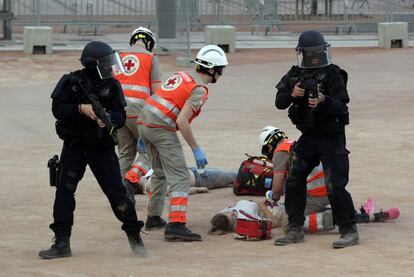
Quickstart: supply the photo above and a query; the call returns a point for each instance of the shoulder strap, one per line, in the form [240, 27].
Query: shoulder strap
[263, 159]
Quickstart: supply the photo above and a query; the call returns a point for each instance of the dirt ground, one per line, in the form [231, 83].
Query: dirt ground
[380, 138]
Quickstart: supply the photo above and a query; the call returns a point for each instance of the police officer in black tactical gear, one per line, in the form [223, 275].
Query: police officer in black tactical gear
[316, 95]
[87, 141]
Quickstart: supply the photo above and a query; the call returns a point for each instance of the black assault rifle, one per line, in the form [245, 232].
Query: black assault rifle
[99, 111]
[311, 86]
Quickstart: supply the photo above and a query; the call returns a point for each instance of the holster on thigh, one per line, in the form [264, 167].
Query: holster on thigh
[299, 170]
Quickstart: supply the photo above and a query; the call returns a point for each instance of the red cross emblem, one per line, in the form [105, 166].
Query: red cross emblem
[171, 82]
[129, 64]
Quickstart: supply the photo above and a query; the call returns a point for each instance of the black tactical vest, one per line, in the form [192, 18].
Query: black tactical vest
[310, 120]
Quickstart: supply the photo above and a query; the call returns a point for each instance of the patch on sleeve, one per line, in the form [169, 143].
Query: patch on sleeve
[172, 83]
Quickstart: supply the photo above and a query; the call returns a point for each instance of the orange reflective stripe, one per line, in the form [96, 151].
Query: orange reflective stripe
[318, 192]
[136, 87]
[316, 176]
[135, 173]
[313, 224]
[315, 183]
[178, 217]
[132, 176]
[162, 111]
[156, 126]
[182, 201]
[167, 107]
[136, 94]
[178, 206]
[141, 169]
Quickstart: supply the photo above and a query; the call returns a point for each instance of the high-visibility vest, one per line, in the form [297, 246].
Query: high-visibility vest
[315, 181]
[285, 145]
[136, 81]
[169, 99]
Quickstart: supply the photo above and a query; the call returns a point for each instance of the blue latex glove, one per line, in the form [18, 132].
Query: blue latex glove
[269, 195]
[200, 157]
[141, 146]
[269, 199]
[268, 183]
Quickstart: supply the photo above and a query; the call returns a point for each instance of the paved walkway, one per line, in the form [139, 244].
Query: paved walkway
[71, 41]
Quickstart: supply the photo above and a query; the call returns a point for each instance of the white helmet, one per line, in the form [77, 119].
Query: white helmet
[210, 56]
[145, 35]
[270, 135]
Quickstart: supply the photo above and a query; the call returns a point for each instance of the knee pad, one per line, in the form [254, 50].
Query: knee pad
[70, 180]
[123, 206]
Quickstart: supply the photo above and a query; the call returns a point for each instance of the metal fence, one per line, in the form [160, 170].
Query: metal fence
[84, 12]
[244, 14]
[173, 25]
[173, 20]
[6, 16]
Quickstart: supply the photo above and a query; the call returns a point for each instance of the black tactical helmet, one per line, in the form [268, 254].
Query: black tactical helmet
[93, 51]
[312, 50]
[311, 39]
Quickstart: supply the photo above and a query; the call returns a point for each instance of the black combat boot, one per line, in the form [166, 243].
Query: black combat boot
[349, 236]
[59, 249]
[293, 235]
[137, 245]
[154, 223]
[178, 231]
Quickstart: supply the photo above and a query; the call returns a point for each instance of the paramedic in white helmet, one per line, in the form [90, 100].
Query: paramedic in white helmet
[139, 81]
[172, 108]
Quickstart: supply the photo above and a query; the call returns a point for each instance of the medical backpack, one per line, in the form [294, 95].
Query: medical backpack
[251, 176]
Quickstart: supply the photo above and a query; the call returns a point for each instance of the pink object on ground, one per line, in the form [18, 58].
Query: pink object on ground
[369, 205]
[389, 214]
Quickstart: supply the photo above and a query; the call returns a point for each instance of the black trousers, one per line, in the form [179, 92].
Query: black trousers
[103, 163]
[308, 152]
